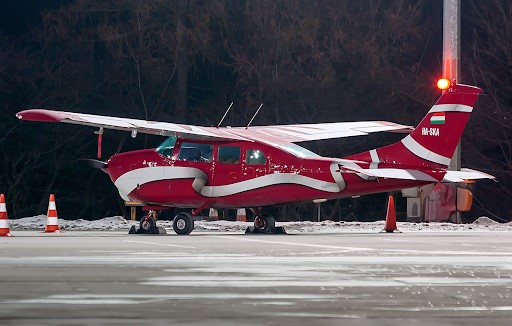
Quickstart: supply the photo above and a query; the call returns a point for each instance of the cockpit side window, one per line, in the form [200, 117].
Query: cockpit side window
[166, 147]
[255, 156]
[195, 152]
[229, 154]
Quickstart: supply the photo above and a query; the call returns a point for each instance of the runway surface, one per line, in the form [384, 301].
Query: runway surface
[112, 278]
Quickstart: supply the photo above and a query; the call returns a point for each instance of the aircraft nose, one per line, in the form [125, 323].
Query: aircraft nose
[117, 165]
[122, 168]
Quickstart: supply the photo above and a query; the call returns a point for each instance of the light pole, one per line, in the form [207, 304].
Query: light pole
[451, 62]
[450, 74]
[451, 40]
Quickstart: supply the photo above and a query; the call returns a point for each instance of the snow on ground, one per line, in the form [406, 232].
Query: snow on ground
[118, 223]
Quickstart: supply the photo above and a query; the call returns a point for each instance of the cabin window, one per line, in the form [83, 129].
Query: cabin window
[255, 156]
[229, 154]
[167, 146]
[195, 152]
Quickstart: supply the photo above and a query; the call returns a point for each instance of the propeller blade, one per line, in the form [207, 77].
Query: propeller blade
[93, 163]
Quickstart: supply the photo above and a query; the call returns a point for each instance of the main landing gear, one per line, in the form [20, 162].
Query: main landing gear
[264, 223]
[183, 223]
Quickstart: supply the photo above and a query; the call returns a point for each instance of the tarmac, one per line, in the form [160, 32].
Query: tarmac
[112, 278]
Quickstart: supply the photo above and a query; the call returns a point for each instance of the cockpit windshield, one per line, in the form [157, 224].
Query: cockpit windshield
[166, 147]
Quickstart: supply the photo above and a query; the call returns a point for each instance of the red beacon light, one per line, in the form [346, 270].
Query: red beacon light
[443, 84]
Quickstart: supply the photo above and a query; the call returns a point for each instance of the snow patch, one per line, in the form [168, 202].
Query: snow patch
[118, 223]
[484, 220]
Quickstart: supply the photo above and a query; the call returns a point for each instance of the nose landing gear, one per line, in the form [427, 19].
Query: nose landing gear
[265, 223]
[147, 225]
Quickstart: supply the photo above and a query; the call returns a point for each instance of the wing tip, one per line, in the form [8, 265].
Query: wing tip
[40, 115]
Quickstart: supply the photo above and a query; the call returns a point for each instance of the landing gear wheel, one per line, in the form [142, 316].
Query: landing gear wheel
[148, 223]
[264, 223]
[183, 223]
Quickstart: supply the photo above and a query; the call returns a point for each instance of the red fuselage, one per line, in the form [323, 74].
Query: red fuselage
[239, 174]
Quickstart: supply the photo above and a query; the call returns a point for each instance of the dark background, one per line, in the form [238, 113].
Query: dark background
[185, 61]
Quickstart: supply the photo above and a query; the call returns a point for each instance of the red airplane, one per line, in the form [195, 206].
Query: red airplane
[261, 166]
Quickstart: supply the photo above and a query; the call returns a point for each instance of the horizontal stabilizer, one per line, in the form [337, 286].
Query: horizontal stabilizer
[465, 174]
[402, 174]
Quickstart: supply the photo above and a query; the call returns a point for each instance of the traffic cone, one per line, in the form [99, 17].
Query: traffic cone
[213, 214]
[240, 215]
[4, 223]
[52, 224]
[390, 225]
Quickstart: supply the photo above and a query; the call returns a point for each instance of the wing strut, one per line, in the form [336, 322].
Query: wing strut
[100, 138]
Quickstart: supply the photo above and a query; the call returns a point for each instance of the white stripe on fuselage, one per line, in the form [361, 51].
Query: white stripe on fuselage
[131, 180]
[375, 159]
[418, 150]
[127, 182]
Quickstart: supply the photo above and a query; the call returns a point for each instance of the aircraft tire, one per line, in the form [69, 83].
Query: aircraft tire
[183, 223]
[148, 225]
[264, 223]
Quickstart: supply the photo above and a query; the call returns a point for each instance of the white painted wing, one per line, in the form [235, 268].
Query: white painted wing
[127, 124]
[268, 134]
[317, 131]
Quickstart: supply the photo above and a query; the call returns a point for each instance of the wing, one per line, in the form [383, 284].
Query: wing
[127, 124]
[268, 134]
[306, 132]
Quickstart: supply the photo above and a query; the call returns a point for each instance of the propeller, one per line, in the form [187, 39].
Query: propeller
[93, 163]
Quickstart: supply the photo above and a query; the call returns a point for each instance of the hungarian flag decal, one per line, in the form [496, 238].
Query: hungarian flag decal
[438, 118]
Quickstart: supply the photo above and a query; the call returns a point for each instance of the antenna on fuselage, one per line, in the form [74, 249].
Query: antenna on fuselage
[220, 122]
[254, 116]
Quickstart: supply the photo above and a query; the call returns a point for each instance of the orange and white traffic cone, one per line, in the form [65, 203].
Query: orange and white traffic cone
[240, 215]
[390, 225]
[52, 224]
[213, 214]
[4, 223]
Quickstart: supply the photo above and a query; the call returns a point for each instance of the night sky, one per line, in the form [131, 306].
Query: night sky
[16, 17]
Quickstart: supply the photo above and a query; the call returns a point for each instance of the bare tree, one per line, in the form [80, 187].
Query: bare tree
[489, 63]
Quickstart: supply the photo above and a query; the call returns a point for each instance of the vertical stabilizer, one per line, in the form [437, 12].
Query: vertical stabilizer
[432, 143]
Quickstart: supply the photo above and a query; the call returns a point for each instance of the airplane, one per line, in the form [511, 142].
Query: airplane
[259, 167]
